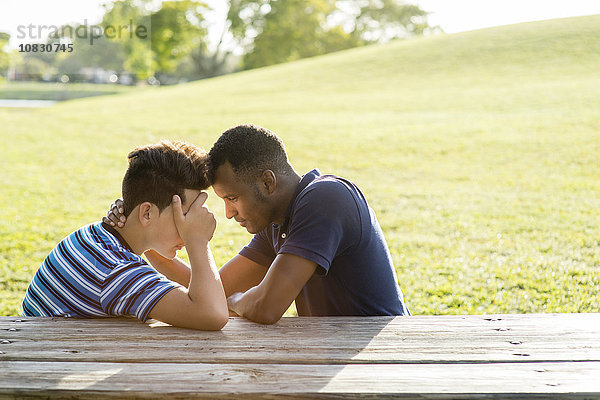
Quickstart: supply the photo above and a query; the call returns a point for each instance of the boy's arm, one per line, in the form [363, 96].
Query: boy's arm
[266, 302]
[175, 270]
[203, 304]
[238, 274]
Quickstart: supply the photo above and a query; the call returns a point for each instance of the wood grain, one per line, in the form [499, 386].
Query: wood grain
[466, 339]
[159, 380]
[422, 357]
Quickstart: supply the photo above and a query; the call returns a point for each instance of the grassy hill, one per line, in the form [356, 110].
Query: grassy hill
[478, 151]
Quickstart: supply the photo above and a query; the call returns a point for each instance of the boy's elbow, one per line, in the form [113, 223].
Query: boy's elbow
[214, 325]
[216, 320]
[220, 321]
[209, 323]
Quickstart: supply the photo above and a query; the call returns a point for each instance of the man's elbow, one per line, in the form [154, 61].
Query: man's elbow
[268, 319]
[265, 314]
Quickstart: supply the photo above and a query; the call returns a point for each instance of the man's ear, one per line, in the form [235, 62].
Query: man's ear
[145, 213]
[268, 181]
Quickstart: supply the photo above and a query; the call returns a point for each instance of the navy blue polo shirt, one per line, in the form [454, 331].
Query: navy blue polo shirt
[329, 222]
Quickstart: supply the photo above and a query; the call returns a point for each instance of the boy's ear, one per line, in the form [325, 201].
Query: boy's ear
[145, 213]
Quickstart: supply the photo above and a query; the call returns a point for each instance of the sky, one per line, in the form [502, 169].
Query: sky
[451, 15]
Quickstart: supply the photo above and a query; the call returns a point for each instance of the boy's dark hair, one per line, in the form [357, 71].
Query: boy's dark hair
[250, 149]
[158, 171]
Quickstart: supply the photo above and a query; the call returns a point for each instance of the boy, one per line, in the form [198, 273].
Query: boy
[98, 271]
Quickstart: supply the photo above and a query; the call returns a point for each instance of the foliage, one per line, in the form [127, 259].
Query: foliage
[268, 31]
[4, 57]
[138, 52]
[176, 32]
[275, 31]
[384, 20]
[295, 29]
[478, 152]
[169, 35]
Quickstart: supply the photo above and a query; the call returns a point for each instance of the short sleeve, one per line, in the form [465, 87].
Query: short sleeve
[260, 249]
[133, 289]
[325, 223]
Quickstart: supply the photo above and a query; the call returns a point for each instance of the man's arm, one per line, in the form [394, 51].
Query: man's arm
[202, 305]
[240, 274]
[266, 302]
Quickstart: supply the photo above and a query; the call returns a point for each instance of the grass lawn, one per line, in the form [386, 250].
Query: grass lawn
[478, 152]
[56, 91]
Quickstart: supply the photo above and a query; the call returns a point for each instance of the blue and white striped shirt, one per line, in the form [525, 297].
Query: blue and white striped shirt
[94, 273]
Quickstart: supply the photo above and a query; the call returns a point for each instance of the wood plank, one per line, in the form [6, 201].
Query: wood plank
[420, 339]
[77, 380]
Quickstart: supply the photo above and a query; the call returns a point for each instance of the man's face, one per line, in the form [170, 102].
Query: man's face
[166, 238]
[242, 202]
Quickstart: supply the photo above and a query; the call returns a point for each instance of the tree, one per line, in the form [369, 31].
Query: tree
[176, 31]
[4, 57]
[295, 29]
[274, 31]
[97, 53]
[127, 22]
[383, 20]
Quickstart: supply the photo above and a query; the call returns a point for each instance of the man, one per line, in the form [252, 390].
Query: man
[316, 240]
[98, 271]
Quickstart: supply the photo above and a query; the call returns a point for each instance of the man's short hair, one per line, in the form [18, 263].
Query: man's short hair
[251, 150]
[158, 171]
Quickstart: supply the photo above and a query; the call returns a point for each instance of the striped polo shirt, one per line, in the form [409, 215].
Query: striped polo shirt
[94, 273]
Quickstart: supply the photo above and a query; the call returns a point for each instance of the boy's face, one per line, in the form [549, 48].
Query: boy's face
[165, 237]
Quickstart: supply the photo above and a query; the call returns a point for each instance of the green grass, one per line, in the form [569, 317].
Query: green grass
[56, 91]
[478, 151]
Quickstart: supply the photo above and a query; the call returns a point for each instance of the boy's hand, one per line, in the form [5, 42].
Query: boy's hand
[198, 224]
[115, 216]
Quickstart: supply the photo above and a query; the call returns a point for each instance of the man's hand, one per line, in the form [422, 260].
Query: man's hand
[198, 224]
[232, 302]
[115, 216]
[266, 302]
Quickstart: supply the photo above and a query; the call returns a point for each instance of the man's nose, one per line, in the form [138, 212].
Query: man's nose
[230, 211]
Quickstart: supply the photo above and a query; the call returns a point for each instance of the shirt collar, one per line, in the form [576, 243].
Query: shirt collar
[304, 182]
[116, 234]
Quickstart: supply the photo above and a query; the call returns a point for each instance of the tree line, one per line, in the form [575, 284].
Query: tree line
[255, 33]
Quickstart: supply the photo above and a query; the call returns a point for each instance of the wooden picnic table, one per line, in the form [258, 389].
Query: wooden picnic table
[419, 357]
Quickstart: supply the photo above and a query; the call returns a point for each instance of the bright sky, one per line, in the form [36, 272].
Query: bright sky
[466, 15]
[451, 15]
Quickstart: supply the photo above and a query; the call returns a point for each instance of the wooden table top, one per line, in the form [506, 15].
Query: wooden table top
[479, 356]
